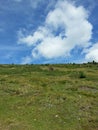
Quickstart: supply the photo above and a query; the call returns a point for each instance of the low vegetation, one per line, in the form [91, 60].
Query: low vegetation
[49, 97]
[82, 75]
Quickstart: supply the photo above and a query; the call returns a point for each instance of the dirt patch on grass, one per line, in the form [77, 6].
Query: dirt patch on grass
[88, 88]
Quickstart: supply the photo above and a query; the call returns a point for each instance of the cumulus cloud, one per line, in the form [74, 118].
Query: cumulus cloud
[92, 53]
[65, 27]
[32, 39]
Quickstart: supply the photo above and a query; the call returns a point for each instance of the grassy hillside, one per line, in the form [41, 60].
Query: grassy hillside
[49, 97]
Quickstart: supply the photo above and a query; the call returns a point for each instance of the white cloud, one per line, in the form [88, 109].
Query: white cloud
[92, 53]
[52, 47]
[65, 27]
[32, 39]
[29, 40]
[26, 60]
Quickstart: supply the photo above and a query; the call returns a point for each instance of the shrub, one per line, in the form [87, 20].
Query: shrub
[51, 68]
[82, 75]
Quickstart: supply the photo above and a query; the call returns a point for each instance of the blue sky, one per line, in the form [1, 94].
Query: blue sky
[48, 31]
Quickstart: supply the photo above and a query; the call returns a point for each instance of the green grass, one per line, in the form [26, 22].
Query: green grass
[36, 97]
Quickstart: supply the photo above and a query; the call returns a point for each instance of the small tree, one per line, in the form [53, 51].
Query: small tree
[94, 62]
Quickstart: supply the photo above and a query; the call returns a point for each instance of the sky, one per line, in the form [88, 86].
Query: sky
[48, 31]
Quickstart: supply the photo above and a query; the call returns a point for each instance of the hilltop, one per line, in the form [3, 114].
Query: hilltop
[49, 97]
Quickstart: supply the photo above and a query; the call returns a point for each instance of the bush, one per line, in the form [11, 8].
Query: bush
[51, 68]
[82, 75]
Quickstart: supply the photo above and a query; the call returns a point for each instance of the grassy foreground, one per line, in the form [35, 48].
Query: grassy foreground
[49, 97]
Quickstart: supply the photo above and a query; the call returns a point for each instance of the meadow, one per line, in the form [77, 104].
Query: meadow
[49, 97]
